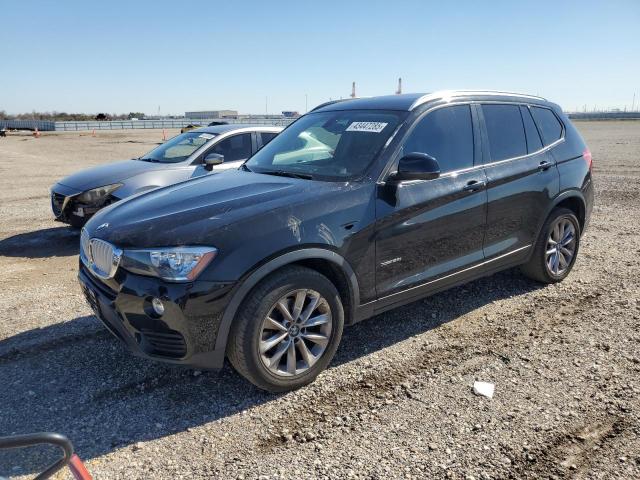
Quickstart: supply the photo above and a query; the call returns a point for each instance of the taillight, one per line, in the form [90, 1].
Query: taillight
[587, 158]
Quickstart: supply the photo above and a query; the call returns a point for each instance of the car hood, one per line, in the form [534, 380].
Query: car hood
[193, 212]
[110, 173]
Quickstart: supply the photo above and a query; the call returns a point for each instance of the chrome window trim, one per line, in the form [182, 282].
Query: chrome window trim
[486, 262]
[386, 171]
[461, 93]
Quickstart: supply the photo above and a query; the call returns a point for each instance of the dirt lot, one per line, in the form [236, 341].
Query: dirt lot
[397, 402]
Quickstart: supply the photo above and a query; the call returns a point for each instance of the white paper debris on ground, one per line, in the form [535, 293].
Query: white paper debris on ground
[484, 389]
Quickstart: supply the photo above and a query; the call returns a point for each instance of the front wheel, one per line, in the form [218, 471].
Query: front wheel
[287, 329]
[556, 249]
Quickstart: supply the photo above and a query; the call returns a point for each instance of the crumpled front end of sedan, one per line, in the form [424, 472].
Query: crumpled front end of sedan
[76, 207]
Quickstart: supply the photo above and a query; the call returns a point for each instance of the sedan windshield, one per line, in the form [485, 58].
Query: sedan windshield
[335, 146]
[178, 148]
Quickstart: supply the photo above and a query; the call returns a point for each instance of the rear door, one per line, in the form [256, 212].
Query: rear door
[265, 137]
[522, 178]
[429, 228]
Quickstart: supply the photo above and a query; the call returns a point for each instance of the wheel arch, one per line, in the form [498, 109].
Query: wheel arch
[573, 200]
[327, 262]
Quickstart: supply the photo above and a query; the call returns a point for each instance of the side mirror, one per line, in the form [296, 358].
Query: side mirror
[213, 159]
[416, 166]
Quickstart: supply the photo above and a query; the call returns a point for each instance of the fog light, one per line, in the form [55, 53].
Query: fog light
[158, 306]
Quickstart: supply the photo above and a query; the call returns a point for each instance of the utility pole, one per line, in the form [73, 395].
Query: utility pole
[353, 90]
[266, 106]
[633, 104]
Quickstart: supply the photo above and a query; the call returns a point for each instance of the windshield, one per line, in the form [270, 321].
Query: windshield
[334, 146]
[178, 148]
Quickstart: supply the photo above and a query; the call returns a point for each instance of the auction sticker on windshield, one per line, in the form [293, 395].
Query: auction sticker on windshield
[372, 127]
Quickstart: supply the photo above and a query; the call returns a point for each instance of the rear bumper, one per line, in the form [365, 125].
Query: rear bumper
[185, 334]
[589, 199]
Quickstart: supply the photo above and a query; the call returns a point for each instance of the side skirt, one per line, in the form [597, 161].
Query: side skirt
[484, 269]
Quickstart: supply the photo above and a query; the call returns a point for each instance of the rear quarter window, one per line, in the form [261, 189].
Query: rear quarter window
[267, 137]
[548, 124]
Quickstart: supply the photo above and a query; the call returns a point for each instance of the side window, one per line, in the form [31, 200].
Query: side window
[447, 135]
[267, 137]
[533, 137]
[549, 125]
[234, 148]
[505, 131]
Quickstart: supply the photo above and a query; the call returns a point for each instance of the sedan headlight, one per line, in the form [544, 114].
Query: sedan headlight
[91, 196]
[177, 264]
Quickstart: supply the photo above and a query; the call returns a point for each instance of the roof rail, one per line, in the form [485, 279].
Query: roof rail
[458, 93]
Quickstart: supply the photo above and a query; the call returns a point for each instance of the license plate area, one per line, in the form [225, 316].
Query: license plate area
[92, 300]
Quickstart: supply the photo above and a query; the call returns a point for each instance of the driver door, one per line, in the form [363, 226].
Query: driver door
[235, 149]
[429, 229]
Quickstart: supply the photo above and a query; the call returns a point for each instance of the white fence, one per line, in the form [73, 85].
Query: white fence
[129, 124]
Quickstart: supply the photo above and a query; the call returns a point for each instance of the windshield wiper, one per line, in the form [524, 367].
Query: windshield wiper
[245, 168]
[146, 159]
[282, 173]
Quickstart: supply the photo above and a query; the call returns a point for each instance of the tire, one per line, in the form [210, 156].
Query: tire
[252, 331]
[542, 265]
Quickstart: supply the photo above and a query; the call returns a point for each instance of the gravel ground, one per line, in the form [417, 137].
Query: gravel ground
[397, 401]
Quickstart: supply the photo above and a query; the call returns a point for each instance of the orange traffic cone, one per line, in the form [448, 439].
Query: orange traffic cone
[36, 134]
[164, 135]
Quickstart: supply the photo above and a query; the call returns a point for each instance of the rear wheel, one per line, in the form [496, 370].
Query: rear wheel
[287, 330]
[556, 249]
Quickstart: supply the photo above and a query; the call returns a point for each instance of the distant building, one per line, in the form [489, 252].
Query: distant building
[212, 114]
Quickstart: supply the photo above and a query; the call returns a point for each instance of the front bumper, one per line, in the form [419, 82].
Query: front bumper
[66, 207]
[184, 334]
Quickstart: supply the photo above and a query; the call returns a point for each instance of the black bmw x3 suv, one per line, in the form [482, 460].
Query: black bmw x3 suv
[357, 207]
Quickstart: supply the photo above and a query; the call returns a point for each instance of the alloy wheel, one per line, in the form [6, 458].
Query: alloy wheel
[561, 246]
[295, 333]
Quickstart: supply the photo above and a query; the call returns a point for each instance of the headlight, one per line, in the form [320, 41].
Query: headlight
[96, 194]
[178, 264]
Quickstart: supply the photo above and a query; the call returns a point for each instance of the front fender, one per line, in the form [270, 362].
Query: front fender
[252, 279]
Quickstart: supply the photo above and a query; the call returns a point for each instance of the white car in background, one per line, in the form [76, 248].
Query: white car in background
[76, 198]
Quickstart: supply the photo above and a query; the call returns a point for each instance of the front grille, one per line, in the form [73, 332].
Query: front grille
[57, 202]
[167, 343]
[100, 257]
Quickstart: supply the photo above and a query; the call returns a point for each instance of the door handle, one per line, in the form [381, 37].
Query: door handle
[474, 185]
[544, 165]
